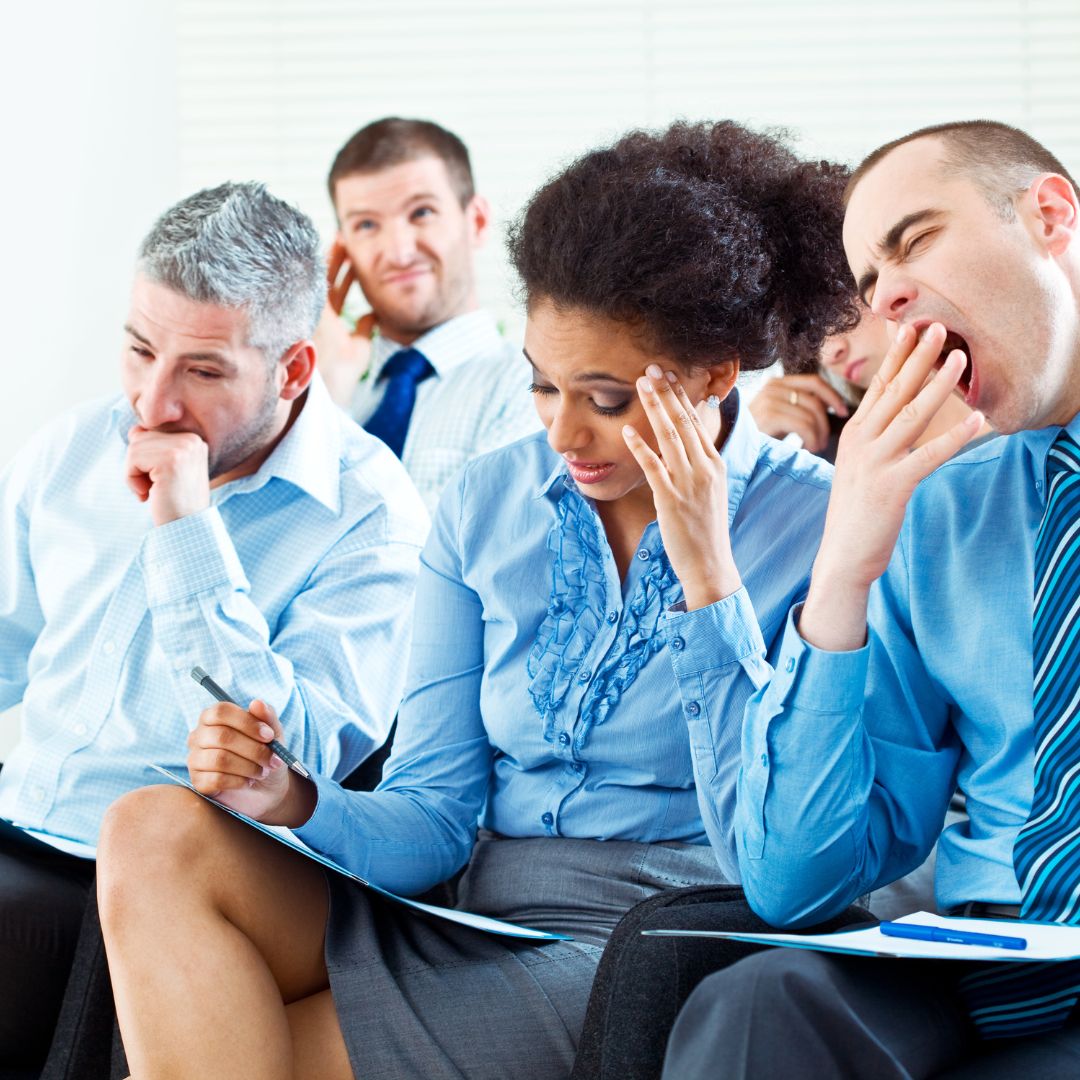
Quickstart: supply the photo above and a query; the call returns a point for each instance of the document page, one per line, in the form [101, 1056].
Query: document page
[465, 918]
[1045, 941]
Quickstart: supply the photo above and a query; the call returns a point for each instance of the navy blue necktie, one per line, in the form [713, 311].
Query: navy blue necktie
[404, 371]
[1007, 1000]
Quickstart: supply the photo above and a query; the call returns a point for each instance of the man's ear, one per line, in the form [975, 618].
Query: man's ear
[1053, 211]
[478, 216]
[722, 378]
[298, 365]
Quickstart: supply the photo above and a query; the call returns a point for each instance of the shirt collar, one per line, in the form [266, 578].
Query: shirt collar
[1036, 445]
[740, 453]
[447, 345]
[308, 457]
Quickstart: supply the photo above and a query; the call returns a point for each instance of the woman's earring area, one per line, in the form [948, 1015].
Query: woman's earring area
[712, 402]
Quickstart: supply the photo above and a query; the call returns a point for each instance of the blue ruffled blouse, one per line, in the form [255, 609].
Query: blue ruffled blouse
[547, 697]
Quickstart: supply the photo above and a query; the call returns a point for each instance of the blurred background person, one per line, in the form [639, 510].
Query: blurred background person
[426, 369]
[814, 407]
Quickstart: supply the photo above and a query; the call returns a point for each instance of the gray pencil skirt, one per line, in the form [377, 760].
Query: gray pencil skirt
[424, 999]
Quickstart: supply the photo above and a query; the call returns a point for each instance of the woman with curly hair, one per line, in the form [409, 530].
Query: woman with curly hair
[595, 606]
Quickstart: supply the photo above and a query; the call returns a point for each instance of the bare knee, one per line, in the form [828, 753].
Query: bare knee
[152, 843]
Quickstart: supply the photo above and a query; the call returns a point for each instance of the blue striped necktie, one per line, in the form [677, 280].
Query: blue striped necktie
[403, 372]
[1007, 1000]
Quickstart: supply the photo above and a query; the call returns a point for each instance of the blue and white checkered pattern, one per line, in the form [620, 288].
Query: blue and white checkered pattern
[477, 400]
[294, 586]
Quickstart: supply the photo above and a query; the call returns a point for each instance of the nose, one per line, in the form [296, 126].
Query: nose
[156, 403]
[893, 293]
[835, 350]
[399, 243]
[565, 432]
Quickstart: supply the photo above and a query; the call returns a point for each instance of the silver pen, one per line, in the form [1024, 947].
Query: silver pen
[213, 689]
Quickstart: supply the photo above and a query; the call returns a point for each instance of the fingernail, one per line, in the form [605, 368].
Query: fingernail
[628, 430]
[654, 372]
[671, 376]
[275, 762]
[266, 732]
[264, 772]
[646, 384]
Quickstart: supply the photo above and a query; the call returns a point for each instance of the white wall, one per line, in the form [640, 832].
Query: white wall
[89, 94]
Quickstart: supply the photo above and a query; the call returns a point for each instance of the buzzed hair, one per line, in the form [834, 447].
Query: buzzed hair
[393, 141]
[1000, 160]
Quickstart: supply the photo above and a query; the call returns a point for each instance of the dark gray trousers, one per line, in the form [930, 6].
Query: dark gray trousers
[642, 982]
[789, 1013]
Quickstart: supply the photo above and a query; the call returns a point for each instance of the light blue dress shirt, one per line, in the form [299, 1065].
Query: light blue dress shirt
[849, 759]
[547, 698]
[294, 586]
[477, 400]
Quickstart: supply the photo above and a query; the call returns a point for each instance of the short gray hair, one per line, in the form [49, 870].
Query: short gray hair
[238, 246]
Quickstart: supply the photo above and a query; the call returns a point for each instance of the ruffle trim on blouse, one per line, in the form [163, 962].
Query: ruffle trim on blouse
[575, 616]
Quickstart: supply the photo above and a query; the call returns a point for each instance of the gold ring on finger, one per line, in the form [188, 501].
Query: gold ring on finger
[793, 397]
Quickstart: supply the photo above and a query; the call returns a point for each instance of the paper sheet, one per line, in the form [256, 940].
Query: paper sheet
[1046, 941]
[465, 918]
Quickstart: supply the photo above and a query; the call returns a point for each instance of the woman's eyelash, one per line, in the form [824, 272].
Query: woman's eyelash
[600, 410]
[610, 410]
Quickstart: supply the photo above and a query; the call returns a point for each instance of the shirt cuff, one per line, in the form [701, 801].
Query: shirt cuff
[326, 827]
[191, 555]
[707, 638]
[819, 681]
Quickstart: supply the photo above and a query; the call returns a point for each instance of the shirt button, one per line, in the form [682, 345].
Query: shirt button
[584, 675]
[613, 617]
[578, 767]
[643, 554]
[38, 794]
[693, 708]
[564, 739]
[764, 761]
[790, 665]
[109, 648]
[79, 729]
[548, 818]
[677, 644]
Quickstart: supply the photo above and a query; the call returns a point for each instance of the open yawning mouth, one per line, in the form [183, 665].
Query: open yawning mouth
[955, 341]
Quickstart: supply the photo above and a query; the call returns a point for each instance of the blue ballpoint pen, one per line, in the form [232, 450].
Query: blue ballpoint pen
[214, 690]
[919, 932]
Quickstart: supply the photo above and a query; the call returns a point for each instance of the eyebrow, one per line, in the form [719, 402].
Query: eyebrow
[889, 244]
[210, 357]
[585, 376]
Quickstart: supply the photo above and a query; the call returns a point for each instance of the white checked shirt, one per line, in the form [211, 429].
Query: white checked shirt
[294, 586]
[477, 400]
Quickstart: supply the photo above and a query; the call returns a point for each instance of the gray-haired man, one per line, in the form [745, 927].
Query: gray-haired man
[222, 513]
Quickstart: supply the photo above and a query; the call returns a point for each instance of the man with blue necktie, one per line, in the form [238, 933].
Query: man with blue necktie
[939, 647]
[436, 382]
[221, 512]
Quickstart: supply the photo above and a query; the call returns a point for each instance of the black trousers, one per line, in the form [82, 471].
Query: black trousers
[42, 896]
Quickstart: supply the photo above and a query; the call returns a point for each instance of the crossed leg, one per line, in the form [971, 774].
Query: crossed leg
[214, 935]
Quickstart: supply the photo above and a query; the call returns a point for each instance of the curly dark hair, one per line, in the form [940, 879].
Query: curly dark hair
[718, 242]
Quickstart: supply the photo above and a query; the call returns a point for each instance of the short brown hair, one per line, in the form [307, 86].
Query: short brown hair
[392, 141]
[1000, 160]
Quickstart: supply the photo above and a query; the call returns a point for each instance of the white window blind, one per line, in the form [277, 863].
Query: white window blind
[270, 89]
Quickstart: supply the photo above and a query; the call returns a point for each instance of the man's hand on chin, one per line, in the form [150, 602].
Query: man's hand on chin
[170, 471]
